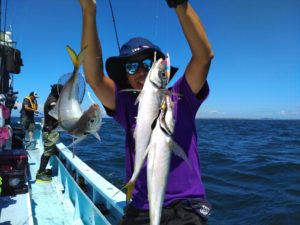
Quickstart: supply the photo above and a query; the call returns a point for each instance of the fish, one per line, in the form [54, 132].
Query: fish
[149, 101]
[159, 157]
[68, 112]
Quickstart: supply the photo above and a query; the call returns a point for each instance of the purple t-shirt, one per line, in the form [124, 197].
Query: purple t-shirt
[183, 181]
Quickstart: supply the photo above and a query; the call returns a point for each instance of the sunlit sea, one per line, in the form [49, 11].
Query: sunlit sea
[251, 168]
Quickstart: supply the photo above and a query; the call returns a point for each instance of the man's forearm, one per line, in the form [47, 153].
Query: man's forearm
[29, 109]
[194, 32]
[93, 63]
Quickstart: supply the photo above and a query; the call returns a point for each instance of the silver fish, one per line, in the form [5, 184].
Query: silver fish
[149, 103]
[68, 111]
[159, 156]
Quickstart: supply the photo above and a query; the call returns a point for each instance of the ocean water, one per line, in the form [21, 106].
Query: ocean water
[251, 168]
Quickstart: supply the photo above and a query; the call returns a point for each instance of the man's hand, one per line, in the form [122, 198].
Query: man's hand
[175, 3]
[88, 5]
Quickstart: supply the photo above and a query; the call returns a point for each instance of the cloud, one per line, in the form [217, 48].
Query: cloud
[255, 114]
[290, 114]
[210, 113]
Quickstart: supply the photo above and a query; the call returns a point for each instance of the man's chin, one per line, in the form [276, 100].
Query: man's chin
[138, 86]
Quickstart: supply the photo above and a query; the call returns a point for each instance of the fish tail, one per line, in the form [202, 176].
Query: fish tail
[130, 186]
[76, 59]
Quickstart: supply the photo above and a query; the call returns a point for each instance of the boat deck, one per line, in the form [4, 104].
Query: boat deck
[43, 204]
[63, 201]
[48, 203]
[15, 210]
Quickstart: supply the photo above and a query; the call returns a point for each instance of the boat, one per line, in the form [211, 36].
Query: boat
[76, 195]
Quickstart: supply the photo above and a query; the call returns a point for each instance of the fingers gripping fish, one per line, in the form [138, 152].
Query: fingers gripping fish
[68, 111]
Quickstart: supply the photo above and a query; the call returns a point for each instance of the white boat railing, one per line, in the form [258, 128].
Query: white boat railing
[94, 198]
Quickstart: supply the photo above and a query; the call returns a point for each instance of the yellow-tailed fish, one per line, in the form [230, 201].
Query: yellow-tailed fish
[68, 112]
[149, 101]
[159, 156]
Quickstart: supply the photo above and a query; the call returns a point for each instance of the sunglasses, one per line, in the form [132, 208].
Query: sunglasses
[132, 67]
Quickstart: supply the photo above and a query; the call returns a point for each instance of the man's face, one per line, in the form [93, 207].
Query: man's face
[137, 69]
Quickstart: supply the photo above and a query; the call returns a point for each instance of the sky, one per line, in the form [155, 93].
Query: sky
[255, 72]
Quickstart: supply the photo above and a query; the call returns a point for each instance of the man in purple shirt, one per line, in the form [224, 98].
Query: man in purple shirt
[184, 201]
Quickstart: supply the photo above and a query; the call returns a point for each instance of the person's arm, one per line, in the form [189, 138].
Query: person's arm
[202, 54]
[102, 85]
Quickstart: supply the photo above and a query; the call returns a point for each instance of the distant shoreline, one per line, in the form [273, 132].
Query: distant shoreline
[201, 118]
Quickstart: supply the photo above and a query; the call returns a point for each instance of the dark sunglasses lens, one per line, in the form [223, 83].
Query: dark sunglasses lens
[131, 68]
[147, 63]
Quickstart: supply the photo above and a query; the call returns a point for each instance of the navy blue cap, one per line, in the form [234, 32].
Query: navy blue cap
[134, 47]
[33, 93]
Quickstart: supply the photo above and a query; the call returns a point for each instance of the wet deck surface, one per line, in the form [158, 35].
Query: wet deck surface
[48, 203]
[45, 204]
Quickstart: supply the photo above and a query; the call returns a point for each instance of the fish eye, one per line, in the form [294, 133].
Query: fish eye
[163, 74]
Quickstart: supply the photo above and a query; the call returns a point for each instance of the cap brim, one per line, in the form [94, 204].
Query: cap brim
[116, 70]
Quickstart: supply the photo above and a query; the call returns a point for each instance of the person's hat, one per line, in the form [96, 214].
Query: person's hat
[56, 89]
[136, 46]
[33, 93]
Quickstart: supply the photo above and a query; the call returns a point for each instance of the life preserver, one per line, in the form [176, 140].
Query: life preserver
[33, 106]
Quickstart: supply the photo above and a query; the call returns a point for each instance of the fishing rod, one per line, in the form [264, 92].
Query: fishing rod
[4, 28]
[115, 27]
[0, 15]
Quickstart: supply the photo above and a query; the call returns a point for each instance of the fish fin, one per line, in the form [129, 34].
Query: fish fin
[178, 151]
[130, 186]
[139, 98]
[96, 135]
[76, 59]
[54, 113]
[73, 56]
[81, 55]
[81, 138]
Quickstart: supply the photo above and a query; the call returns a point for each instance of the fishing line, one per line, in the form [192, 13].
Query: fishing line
[167, 27]
[115, 27]
[4, 28]
[156, 21]
[0, 17]
[2, 64]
